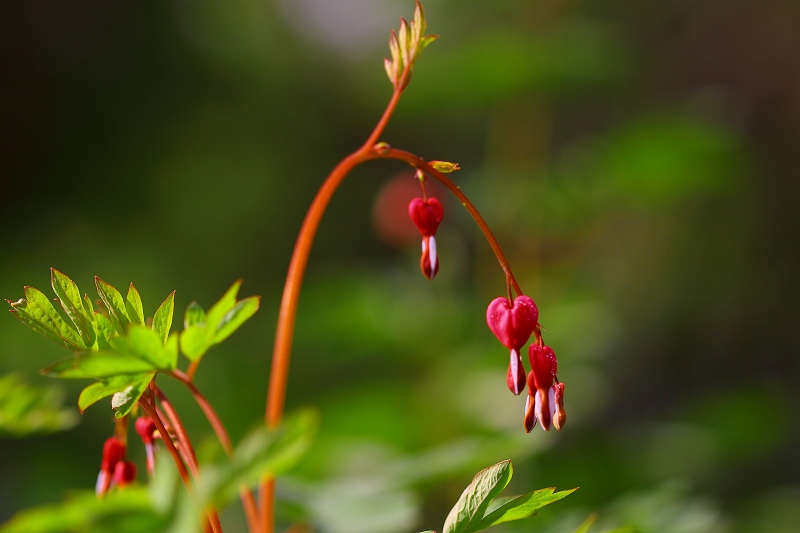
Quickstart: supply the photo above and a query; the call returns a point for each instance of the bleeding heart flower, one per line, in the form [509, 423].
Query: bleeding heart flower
[427, 215]
[513, 325]
[124, 473]
[113, 452]
[146, 429]
[545, 394]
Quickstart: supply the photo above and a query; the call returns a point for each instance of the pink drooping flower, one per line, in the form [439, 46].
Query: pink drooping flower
[427, 214]
[545, 394]
[146, 429]
[113, 453]
[124, 473]
[513, 324]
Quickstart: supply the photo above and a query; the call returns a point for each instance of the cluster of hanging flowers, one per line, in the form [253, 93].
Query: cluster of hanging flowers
[115, 469]
[512, 322]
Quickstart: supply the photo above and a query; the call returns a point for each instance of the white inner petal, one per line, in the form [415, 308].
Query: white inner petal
[433, 257]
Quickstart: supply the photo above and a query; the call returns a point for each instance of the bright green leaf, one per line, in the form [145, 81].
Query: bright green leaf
[27, 410]
[98, 365]
[70, 299]
[105, 331]
[145, 344]
[133, 305]
[123, 401]
[475, 499]
[194, 342]
[520, 507]
[162, 320]
[194, 315]
[103, 389]
[114, 303]
[234, 318]
[36, 311]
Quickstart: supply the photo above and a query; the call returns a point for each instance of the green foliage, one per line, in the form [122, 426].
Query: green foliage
[469, 513]
[27, 410]
[203, 330]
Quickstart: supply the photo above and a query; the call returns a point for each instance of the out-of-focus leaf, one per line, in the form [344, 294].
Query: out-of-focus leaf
[70, 299]
[261, 452]
[520, 507]
[133, 305]
[28, 410]
[226, 316]
[162, 320]
[36, 312]
[125, 511]
[587, 524]
[114, 303]
[475, 499]
[127, 384]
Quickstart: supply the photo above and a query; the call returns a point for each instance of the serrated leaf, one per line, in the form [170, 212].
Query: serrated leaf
[237, 316]
[114, 303]
[133, 305]
[27, 410]
[472, 504]
[36, 309]
[98, 365]
[162, 320]
[123, 511]
[103, 389]
[260, 453]
[520, 507]
[70, 299]
[123, 401]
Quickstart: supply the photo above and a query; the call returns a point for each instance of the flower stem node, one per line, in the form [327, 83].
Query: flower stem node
[513, 324]
[114, 451]
[545, 401]
[427, 214]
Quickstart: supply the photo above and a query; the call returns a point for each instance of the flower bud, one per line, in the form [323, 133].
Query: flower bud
[124, 473]
[146, 429]
[545, 394]
[113, 452]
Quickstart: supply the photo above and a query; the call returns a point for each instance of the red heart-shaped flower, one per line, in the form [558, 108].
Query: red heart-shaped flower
[512, 324]
[426, 215]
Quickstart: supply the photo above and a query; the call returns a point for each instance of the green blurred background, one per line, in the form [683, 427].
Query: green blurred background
[637, 160]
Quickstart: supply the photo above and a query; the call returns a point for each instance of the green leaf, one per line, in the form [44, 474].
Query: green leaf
[260, 453]
[114, 303]
[123, 401]
[475, 499]
[234, 318]
[105, 331]
[70, 299]
[194, 315]
[103, 389]
[124, 511]
[204, 330]
[587, 524]
[98, 365]
[520, 507]
[162, 321]
[27, 410]
[144, 343]
[36, 312]
[133, 305]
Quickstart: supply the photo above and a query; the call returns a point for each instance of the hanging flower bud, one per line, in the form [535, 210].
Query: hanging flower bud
[545, 394]
[146, 429]
[513, 325]
[113, 452]
[124, 473]
[427, 214]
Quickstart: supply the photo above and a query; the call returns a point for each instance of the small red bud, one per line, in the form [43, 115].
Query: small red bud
[113, 453]
[124, 473]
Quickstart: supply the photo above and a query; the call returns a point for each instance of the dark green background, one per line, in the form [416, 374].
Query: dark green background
[638, 161]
